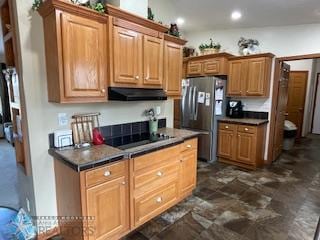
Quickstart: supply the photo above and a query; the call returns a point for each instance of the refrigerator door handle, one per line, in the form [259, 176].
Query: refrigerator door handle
[190, 103]
[196, 104]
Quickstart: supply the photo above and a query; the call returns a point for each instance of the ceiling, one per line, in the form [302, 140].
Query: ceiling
[215, 14]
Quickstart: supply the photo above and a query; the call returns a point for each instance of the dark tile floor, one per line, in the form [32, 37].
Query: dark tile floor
[280, 202]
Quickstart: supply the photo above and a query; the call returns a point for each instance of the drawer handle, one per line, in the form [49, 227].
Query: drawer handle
[107, 173]
[137, 77]
[227, 127]
[159, 199]
[246, 129]
[189, 146]
[159, 174]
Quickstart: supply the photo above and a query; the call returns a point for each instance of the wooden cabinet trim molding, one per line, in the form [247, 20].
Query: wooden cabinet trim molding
[209, 56]
[269, 55]
[119, 13]
[49, 6]
[135, 27]
[174, 39]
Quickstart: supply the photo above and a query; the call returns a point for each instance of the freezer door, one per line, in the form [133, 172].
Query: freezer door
[186, 103]
[202, 99]
[205, 146]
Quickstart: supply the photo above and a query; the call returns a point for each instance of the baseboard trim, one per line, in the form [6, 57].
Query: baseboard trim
[49, 234]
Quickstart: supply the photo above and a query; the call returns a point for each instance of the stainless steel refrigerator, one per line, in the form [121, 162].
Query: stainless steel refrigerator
[203, 103]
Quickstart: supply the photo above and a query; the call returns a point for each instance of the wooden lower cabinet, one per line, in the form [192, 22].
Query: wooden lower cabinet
[117, 198]
[108, 203]
[241, 145]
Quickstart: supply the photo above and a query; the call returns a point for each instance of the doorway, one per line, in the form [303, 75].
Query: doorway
[277, 113]
[316, 109]
[297, 91]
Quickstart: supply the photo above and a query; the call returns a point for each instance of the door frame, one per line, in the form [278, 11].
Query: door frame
[305, 95]
[315, 99]
[275, 95]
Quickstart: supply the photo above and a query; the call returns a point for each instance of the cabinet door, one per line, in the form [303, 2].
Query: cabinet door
[153, 61]
[108, 204]
[188, 171]
[237, 74]
[256, 81]
[84, 57]
[127, 51]
[226, 144]
[194, 68]
[211, 67]
[246, 145]
[172, 68]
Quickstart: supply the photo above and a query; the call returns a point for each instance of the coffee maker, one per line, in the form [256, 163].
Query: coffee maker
[234, 109]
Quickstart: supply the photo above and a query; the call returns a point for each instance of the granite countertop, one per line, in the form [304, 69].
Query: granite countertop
[246, 121]
[86, 158]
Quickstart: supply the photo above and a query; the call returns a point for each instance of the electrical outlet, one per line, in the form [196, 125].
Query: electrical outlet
[158, 110]
[63, 119]
[28, 205]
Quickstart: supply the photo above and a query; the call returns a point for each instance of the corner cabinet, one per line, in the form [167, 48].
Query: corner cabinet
[76, 53]
[250, 76]
[241, 145]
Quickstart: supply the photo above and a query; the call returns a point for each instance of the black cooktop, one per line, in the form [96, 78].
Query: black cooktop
[137, 140]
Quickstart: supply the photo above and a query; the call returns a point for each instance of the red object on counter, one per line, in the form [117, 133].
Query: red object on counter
[97, 137]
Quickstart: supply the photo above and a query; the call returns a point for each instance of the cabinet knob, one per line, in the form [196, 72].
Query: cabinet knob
[147, 78]
[246, 129]
[239, 135]
[137, 77]
[159, 199]
[189, 146]
[103, 90]
[227, 127]
[159, 174]
[107, 173]
[123, 183]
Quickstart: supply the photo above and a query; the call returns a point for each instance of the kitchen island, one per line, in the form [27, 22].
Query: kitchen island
[114, 191]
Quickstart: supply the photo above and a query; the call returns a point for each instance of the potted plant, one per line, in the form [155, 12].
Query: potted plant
[210, 48]
[153, 121]
[248, 46]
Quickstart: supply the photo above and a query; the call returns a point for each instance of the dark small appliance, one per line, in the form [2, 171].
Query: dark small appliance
[234, 109]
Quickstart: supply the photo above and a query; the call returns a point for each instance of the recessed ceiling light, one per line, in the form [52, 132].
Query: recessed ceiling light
[236, 15]
[180, 21]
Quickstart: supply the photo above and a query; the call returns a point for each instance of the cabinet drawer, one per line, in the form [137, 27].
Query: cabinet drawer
[247, 129]
[227, 126]
[194, 68]
[155, 178]
[211, 66]
[106, 173]
[190, 144]
[152, 204]
[153, 160]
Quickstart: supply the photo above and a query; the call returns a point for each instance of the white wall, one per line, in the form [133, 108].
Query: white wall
[281, 41]
[305, 65]
[42, 116]
[139, 7]
[163, 10]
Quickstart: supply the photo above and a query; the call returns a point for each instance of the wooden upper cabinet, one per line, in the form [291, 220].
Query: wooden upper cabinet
[84, 56]
[237, 74]
[76, 53]
[249, 76]
[208, 65]
[256, 82]
[172, 68]
[153, 61]
[194, 68]
[127, 51]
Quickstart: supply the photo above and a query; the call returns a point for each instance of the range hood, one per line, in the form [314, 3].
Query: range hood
[136, 94]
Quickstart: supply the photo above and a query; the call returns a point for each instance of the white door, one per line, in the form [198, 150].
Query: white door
[316, 116]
